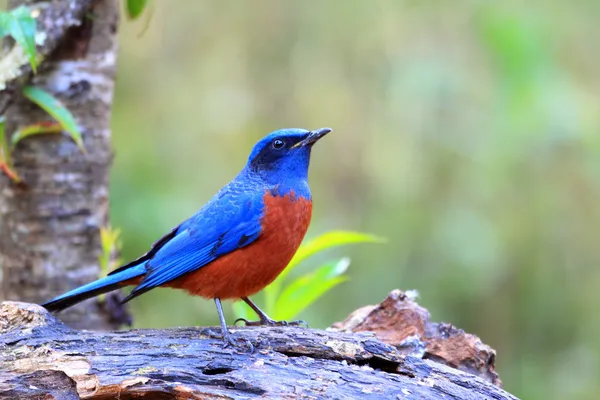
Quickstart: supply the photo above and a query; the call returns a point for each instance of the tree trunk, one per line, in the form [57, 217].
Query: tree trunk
[42, 358]
[50, 227]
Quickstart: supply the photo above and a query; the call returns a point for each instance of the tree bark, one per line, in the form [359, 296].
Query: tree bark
[398, 320]
[42, 358]
[50, 227]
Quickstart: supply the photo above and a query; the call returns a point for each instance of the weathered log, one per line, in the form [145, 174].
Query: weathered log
[42, 358]
[400, 321]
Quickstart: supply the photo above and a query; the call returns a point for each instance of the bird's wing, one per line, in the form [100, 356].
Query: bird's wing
[227, 223]
[156, 246]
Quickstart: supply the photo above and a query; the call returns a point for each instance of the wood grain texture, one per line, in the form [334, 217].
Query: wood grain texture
[398, 320]
[37, 352]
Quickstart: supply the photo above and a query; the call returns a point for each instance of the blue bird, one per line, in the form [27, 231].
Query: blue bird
[235, 245]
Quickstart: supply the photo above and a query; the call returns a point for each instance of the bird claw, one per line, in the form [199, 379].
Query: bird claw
[299, 322]
[270, 322]
[228, 339]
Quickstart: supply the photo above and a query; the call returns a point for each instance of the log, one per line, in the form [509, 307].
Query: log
[40, 357]
[400, 321]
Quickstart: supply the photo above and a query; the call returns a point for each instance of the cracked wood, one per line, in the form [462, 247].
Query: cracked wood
[38, 351]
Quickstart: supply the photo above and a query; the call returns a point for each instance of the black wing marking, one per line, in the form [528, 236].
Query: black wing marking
[156, 246]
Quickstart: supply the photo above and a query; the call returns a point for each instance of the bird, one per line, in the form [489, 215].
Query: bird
[237, 243]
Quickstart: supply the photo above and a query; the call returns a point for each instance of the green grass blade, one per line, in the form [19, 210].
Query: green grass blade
[309, 288]
[57, 110]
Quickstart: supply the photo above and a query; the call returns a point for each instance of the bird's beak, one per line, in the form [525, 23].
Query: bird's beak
[313, 137]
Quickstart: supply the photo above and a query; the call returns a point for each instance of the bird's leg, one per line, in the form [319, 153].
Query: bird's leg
[264, 318]
[227, 338]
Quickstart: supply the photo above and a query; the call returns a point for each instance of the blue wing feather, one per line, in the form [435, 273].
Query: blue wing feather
[230, 221]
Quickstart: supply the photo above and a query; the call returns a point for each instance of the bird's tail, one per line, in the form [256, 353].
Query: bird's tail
[95, 288]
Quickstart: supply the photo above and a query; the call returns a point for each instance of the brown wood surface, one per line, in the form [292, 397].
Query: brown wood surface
[42, 358]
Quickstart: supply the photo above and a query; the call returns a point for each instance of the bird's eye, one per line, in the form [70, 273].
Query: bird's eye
[277, 144]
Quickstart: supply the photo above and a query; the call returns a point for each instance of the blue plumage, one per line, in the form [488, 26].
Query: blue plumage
[111, 282]
[231, 220]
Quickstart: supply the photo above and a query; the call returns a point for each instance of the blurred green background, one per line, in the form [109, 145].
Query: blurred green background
[466, 132]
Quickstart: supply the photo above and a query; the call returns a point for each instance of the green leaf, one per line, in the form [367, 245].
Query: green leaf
[109, 240]
[19, 24]
[35, 129]
[328, 240]
[320, 243]
[3, 23]
[10, 172]
[57, 110]
[135, 8]
[2, 137]
[5, 160]
[308, 288]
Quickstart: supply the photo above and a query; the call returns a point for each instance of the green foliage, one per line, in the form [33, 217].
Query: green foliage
[35, 129]
[6, 150]
[5, 158]
[135, 8]
[305, 290]
[57, 110]
[20, 25]
[284, 303]
[111, 247]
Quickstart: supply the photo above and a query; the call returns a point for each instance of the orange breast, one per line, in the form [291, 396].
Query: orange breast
[248, 270]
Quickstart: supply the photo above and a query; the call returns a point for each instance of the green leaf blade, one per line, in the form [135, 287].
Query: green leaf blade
[135, 8]
[4, 21]
[5, 159]
[316, 245]
[35, 129]
[19, 24]
[307, 289]
[57, 110]
[326, 241]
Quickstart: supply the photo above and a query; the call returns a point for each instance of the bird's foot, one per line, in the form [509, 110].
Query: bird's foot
[271, 322]
[228, 339]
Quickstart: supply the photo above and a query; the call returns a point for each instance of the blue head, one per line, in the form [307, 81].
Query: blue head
[283, 156]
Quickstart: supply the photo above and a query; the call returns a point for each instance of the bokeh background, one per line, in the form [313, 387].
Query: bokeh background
[466, 132]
